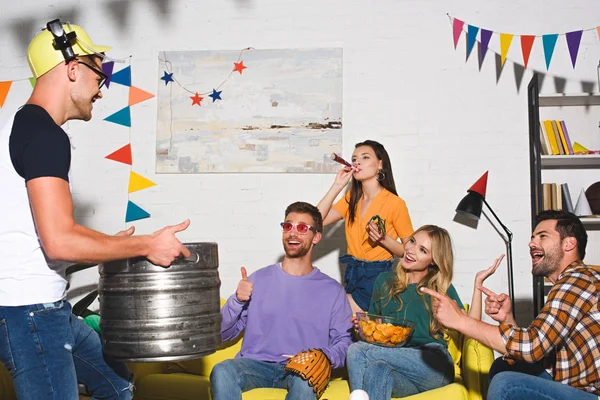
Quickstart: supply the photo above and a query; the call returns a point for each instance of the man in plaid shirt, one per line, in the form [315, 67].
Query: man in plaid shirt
[558, 355]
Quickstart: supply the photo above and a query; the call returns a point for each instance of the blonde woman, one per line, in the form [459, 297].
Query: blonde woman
[424, 362]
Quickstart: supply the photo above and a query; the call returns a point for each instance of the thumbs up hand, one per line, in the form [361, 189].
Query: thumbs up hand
[245, 287]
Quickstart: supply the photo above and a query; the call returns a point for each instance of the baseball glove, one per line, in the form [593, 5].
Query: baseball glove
[312, 366]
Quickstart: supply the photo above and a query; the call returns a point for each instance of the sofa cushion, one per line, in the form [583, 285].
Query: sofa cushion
[177, 386]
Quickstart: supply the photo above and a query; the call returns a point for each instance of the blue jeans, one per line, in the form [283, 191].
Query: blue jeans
[384, 372]
[520, 386]
[48, 350]
[360, 276]
[230, 378]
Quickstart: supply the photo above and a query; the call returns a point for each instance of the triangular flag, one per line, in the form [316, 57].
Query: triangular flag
[549, 43]
[107, 69]
[122, 77]
[121, 117]
[505, 39]
[471, 37]
[134, 212]
[4, 88]
[137, 95]
[123, 155]
[138, 182]
[598, 29]
[485, 40]
[573, 41]
[526, 45]
[579, 149]
[32, 81]
[481, 185]
[583, 205]
[457, 26]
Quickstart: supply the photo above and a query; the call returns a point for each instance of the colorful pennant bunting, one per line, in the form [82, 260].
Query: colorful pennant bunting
[457, 27]
[121, 117]
[32, 81]
[526, 45]
[134, 212]
[123, 155]
[137, 95]
[471, 38]
[505, 40]
[138, 182]
[573, 40]
[4, 88]
[549, 42]
[485, 40]
[107, 68]
[122, 77]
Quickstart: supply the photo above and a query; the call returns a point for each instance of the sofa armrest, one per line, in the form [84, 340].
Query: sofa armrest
[476, 362]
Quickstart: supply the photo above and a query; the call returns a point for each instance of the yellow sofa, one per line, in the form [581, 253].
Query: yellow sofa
[187, 380]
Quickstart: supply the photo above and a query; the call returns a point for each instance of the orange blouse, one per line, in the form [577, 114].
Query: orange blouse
[397, 224]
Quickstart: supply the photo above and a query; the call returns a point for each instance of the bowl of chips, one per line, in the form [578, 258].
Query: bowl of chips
[384, 331]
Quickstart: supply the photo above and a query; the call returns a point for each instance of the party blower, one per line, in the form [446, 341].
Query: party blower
[335, 157]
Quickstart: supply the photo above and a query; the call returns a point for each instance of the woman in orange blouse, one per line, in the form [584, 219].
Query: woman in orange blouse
[372, 192]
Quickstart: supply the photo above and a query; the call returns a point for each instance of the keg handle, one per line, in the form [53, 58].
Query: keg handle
[194, 258]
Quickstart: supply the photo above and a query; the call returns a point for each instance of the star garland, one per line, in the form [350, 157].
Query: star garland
[238, 66]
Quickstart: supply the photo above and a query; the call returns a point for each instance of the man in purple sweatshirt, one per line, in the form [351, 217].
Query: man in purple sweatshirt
[284, 309]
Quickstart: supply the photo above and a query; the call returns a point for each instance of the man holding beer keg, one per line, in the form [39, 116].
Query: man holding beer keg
[43, 345]
[284, 309]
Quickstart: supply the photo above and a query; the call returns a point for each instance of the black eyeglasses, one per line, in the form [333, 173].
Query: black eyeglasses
[101, 74]
[300, 228]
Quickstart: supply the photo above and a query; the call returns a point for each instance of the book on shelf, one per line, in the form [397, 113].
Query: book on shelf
[556, 196]
[561, 134]
[561, 149]
[546, 150]
[551, 137]
[566, 198]
[568, 140]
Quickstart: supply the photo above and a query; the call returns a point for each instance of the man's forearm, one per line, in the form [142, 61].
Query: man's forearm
[83, 245]
[483, 332]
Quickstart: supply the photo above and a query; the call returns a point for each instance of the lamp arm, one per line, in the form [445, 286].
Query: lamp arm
[508, 232]
[508, 241]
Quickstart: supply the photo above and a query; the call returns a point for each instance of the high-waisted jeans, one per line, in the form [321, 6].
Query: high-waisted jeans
[360, 276]
[385, 372]
[48, 350]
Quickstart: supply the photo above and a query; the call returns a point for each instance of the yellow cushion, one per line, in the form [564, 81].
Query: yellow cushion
[177, 386]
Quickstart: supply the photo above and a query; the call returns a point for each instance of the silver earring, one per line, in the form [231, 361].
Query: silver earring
[380, 175]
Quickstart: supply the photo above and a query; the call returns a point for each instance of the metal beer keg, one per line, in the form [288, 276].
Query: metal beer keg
[151, 313]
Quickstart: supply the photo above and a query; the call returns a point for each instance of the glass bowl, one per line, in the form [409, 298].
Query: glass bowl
[384, 331]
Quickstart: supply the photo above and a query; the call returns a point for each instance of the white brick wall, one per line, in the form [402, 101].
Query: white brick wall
[443, 120]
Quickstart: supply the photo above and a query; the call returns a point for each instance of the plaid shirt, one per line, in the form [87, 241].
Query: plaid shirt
[566, 333]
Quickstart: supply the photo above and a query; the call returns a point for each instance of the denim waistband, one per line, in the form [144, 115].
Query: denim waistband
[351, 261]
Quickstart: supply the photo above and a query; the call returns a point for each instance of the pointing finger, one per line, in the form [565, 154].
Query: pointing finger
[487, 291]
[432, 293]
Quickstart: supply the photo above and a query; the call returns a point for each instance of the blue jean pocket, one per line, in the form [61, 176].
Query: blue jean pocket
[6, 356]
[47, 308]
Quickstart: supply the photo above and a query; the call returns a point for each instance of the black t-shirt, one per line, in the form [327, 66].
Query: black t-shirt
[38, 147]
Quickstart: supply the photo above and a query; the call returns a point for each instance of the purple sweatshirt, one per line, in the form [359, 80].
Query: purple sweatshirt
[287, 314]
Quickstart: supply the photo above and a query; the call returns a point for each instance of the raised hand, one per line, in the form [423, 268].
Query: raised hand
[343, 177]
[245, 287]
[481, 276]
[165, 247]
[444, 309]
[498, 306]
